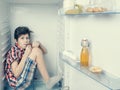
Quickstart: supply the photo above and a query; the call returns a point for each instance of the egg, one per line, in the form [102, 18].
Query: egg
[95, 9]
[95, 69]
[89, 9]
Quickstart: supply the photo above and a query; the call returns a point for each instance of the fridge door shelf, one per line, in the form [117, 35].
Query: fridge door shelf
[61, 12]
[106, 79]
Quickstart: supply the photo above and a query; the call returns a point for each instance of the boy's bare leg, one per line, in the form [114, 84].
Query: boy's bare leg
[37, 55]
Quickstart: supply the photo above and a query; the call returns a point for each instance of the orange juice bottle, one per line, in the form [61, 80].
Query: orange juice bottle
[84, 55]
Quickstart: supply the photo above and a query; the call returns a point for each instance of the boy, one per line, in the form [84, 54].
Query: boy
[22, 59]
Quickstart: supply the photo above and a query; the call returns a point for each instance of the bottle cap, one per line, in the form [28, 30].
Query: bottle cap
[84, 42]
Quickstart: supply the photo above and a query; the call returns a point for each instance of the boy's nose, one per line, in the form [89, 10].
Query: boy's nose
[25, 40]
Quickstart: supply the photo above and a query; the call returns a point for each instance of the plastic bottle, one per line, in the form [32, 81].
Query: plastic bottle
[84, 55]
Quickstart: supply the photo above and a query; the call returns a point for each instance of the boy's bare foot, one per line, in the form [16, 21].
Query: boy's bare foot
[53, 80]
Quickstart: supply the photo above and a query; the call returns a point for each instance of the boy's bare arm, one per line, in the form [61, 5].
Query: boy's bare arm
[18, 68]
[43, 48]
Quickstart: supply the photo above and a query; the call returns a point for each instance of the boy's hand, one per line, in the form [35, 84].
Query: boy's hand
[36, 44]
[28, 50]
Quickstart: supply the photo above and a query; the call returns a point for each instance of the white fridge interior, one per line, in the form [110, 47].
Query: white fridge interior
[42, 18]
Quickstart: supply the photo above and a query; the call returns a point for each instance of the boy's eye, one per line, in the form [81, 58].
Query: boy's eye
[27, 37]
[22, 37]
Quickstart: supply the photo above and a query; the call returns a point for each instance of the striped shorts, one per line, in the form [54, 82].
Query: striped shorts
[26, 76]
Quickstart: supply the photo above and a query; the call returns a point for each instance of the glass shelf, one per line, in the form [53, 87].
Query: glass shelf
[106, 79]
[61, 12]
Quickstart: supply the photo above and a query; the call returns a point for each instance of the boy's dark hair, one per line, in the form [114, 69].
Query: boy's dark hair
[21, 31]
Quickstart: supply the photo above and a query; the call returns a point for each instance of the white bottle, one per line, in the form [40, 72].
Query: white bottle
[68, 5]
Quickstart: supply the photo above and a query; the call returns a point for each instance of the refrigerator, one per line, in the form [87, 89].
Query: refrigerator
[58, 32]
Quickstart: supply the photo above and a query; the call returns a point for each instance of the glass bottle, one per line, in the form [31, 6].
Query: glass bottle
[84, 55]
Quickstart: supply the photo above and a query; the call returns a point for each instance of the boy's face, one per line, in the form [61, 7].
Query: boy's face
[23, 40]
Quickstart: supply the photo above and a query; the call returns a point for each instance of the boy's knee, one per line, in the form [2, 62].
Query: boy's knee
[36, 50]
